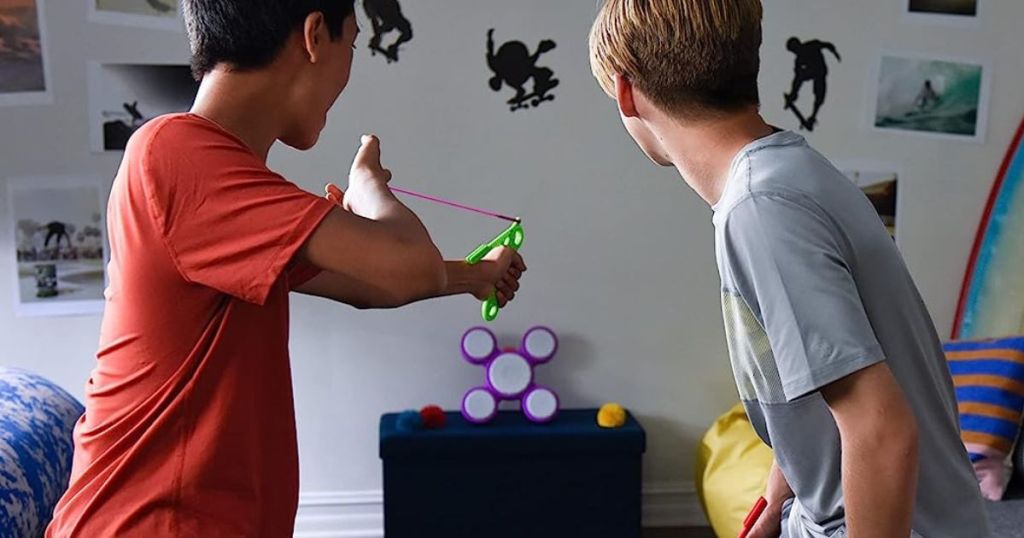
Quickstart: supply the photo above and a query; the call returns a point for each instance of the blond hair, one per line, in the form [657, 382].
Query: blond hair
[688, 56]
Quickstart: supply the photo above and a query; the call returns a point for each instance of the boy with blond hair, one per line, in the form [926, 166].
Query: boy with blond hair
[834, 354]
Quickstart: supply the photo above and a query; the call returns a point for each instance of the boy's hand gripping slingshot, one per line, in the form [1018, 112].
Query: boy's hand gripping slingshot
[512, 237]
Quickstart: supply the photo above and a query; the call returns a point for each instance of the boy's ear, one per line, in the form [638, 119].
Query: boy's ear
[314, 31]
[624, 96]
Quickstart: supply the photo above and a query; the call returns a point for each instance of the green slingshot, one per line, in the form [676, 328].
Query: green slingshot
[512, 237]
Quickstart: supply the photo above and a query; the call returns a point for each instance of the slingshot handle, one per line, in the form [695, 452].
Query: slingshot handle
[512, 237]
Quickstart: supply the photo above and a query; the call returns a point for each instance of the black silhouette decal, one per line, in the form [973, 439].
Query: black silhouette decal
[810, 65]
[386, 17]
[116, 132]
[514, 65]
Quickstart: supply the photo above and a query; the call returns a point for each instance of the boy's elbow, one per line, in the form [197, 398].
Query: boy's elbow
[424, 278]
[433, 277]
[896, 434]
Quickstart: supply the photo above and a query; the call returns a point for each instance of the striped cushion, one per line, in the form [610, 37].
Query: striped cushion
[989, 379]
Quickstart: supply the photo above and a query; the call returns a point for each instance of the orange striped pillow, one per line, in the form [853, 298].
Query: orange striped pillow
[989, 380]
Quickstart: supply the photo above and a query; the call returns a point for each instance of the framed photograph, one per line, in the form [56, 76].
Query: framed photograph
[60, 245]
[936, 97]
[881, 185]
[154, 14]
[123, 97]
[944, 12]
[24, 70]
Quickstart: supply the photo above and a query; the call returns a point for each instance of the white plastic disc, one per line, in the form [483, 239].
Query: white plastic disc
[478, 344]
[479, 404]
[540, 343]
[510, 374]
[541, 404]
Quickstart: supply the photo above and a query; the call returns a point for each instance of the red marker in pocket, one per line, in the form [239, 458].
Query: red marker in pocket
[753, 516]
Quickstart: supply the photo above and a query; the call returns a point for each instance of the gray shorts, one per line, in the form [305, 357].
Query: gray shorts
[797, 523]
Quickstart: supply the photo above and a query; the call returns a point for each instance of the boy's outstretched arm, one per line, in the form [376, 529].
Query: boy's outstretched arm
[374, 246]
[879, 452]
[499, 272]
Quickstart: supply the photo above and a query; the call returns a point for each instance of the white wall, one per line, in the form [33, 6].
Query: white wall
[620, 252]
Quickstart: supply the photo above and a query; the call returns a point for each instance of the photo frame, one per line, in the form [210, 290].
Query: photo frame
[60, 249]
[24, 60]
[930, 96]
[884, 187]
[124, 97]
[151, 14]
[953, 13]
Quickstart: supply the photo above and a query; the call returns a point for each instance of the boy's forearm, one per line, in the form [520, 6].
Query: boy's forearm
[879, 437]
[462, 278]
[879, 486]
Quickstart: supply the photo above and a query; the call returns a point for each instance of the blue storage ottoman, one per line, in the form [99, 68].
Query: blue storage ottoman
[512, 478]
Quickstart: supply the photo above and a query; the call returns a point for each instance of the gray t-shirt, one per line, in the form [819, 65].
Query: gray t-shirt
[813, 290]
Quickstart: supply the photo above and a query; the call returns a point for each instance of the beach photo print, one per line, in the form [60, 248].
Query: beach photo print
[59, 245]
[931, 96]
[23, 69]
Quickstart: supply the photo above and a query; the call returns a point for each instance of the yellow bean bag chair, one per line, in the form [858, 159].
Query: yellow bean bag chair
[732, 471]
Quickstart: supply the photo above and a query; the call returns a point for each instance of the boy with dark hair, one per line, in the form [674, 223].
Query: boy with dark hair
[834, 353]
[189, 427]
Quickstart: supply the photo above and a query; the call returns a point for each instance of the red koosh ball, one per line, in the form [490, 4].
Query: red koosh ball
[433, 417]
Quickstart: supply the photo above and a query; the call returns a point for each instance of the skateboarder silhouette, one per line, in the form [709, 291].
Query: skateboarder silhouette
[513, 64]
[810, 65]
[385, 17]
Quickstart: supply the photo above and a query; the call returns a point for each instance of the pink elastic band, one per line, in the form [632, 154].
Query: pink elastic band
[454, 204]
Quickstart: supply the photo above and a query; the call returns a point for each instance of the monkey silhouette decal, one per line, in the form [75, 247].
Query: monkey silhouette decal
[386, 17]
[513, 64]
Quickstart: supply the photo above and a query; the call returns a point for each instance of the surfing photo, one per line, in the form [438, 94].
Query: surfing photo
[23, 77]
[123, 97]
[929, 96]
[59, 245]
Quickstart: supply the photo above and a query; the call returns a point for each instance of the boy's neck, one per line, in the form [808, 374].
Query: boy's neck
[247, 104]
[703, 152]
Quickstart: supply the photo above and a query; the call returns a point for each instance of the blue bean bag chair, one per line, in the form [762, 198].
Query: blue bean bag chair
[36, 421]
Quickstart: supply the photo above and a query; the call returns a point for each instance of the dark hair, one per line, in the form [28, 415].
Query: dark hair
[249, 34]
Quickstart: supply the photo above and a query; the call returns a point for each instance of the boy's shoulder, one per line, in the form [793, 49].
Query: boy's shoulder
[783, 166]
[180, 144]
[178, 135]
[166, 128]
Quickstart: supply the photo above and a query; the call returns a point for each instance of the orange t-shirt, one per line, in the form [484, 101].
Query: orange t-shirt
[189, 428]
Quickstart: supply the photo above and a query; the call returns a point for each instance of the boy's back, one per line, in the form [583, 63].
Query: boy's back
[189, 427]
[813, 290]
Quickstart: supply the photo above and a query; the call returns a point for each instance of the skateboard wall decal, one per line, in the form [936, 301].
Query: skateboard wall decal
[513, 64]
[809, 66]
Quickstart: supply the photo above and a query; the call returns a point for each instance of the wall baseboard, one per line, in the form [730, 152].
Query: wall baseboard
[360, 514]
